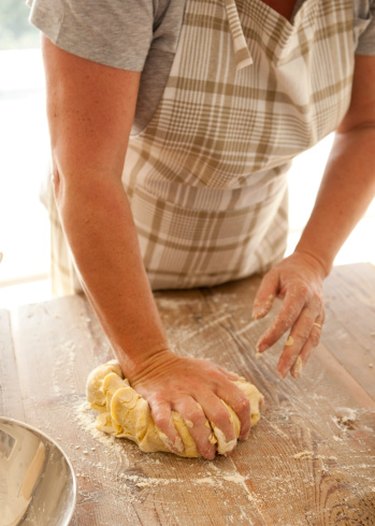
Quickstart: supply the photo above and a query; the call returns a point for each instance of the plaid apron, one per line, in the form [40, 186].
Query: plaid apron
[206, 179]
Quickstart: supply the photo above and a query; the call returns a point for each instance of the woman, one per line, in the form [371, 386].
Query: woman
[209, 101]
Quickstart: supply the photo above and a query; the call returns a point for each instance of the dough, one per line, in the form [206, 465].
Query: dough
[125, 413]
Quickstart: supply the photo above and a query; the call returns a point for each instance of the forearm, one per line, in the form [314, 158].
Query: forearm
[347, 189]
[91, 109]
[98, 223]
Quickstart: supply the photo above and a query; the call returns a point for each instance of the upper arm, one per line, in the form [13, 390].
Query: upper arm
[361, 111]
[90, 110]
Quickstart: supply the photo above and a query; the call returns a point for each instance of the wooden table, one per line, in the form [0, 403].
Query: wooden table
[310, 461]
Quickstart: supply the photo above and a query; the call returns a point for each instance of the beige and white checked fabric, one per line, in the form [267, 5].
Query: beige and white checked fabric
[248, 90]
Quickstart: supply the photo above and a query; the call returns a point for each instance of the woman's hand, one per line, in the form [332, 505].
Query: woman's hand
[195, 389]
[298, 281]
[346, 190]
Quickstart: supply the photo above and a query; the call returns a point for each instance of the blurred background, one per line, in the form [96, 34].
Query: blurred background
[24, 161]
[24, 231]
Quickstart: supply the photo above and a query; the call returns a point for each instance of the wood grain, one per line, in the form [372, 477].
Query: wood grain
[310, 461]
[346, 294]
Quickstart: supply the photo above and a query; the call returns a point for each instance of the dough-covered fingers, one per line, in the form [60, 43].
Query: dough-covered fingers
[304, 336]
[315, 332]
[162, 415]
[291, 309]
[236, 399]
[218, 416]
[314, 338]
[265, 295]
[300, 333]
[304, 355]
[316, 329]
[199, 427]
[301, 359]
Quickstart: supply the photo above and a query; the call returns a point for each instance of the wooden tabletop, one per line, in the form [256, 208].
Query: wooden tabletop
[310, 461]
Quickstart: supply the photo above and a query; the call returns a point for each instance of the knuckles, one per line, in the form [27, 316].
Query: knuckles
[317, 299]
[242, 407]
[196, 416]
[157, 401]
[303, 290]
[220, 416]
[162, 422]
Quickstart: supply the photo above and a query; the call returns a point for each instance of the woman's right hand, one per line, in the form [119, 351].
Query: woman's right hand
[195, 389]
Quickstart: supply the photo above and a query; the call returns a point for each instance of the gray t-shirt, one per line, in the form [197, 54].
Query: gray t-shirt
[142, 35]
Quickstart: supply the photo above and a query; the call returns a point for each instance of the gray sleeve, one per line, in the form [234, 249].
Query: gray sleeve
[365, 27]
[116, 33]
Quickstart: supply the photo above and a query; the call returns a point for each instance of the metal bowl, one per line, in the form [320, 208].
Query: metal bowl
[37, 483]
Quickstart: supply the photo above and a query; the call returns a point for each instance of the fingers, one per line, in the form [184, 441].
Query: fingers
[240, 404]
[218, 415]
[316, 329]
[162, 415]
[198, 421]
[293, 303]
[197, 418]
[314, 338]
[304, 336]
[198, 425]
[265, 296]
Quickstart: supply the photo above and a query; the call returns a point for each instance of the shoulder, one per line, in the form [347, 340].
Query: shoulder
[117, 33]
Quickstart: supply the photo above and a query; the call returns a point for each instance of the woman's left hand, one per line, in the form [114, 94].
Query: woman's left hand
[298, 281]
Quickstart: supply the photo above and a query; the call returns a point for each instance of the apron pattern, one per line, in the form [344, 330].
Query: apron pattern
[248, 90]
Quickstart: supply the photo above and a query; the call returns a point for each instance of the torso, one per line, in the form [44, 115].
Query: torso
[206, 178]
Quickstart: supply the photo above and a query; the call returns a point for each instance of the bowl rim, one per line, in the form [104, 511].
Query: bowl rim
[5, 419]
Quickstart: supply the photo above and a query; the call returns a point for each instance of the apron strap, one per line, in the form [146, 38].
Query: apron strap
[242, 55]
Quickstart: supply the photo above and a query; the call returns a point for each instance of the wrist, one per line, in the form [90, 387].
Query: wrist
[320, 263]
[137, 365]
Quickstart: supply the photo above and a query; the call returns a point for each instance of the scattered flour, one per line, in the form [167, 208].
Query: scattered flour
[215, 477]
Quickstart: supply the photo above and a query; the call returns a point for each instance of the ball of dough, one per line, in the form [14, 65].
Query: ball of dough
[125, 413]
